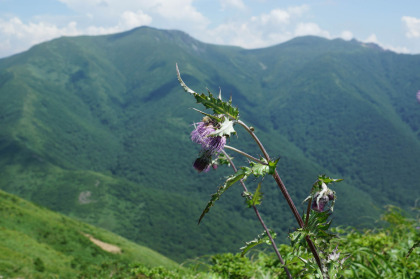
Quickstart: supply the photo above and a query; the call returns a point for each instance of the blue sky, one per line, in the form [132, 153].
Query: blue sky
[394, 25]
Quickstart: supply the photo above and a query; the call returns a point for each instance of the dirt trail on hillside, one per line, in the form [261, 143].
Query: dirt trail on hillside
[105, 246]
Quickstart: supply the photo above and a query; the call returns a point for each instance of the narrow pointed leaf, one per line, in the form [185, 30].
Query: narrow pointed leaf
[262, 238]
[325, 179]
[256, 198]
[242, 173]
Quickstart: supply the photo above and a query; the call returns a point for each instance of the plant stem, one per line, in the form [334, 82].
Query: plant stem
[261, 221]
[245, 154]
[308, 211]
[285, 194]
[255, 139]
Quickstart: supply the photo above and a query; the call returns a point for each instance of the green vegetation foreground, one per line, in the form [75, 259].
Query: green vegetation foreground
[37, 243]
[388, 252]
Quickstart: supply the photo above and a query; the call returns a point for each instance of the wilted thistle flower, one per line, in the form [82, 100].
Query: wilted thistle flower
[201, 135]
[334, 256]
[321, 199]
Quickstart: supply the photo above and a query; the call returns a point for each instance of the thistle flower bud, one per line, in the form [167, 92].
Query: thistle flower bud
[203, 163]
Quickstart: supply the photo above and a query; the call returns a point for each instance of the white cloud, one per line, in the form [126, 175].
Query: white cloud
[413, 26]
[235, 33]
[259, 30]
[238, 4]
[276, 16]
[18, 36]
[106, 10]
[372, 39]
[398, 49]
[280, 16]
[5, 47]
[346, 35]
[98, 17]
[298, 10]
[310, 28]
[14, 30]
[131, 19]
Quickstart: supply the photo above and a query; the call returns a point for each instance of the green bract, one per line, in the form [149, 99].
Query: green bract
[226, 129]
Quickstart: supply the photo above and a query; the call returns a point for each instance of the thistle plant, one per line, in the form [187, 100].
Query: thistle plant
[312, 236]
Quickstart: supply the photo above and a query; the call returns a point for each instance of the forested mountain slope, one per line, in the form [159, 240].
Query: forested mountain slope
[98, 128]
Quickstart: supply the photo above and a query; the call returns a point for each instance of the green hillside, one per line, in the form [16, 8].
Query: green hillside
[98, 128]
[38, 243]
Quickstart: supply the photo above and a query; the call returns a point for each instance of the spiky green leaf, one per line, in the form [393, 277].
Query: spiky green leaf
[263, 169]
[317, 228]
[262, 238]
[223, 160]
[325, 179]
[215, 104]
[256, 198]
[242, 173]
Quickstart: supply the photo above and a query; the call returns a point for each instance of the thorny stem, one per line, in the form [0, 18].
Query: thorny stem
[255, 138]
[308, 211]
[285, 194]
[245, 154]
[261, 221]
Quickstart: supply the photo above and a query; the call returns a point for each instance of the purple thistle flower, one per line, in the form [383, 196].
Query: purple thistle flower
[201, 135]
[211, 145]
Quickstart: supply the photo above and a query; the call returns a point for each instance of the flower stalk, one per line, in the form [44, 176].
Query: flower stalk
[245, 154]
[286, 194]
[267, 231]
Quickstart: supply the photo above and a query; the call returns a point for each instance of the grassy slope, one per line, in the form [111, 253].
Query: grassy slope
[78, 111]
[36, 242]
[151, 217]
